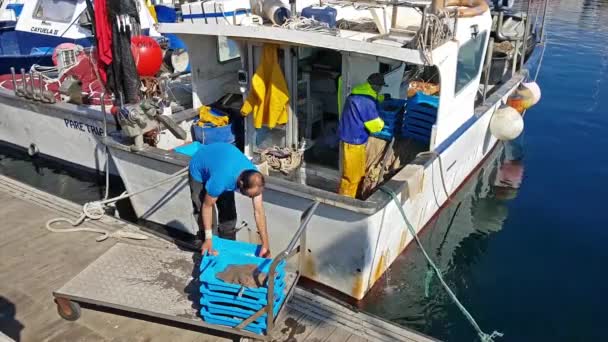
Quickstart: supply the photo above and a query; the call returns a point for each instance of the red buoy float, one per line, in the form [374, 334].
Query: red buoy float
[147, 54]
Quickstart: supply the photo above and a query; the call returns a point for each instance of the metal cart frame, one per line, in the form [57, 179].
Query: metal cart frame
[68, 305]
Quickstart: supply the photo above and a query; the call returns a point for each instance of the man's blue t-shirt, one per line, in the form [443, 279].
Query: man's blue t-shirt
[218, 166]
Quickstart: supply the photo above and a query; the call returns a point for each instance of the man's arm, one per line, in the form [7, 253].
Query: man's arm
[260, 221]
[207, 217]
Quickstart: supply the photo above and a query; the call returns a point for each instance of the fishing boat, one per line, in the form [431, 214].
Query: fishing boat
[49, 49]
[467, 69]
[32, 29]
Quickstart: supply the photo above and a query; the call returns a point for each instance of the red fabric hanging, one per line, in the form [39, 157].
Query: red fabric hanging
[103, 31]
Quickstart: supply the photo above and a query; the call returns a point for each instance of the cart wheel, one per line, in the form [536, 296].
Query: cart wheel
[67, 309]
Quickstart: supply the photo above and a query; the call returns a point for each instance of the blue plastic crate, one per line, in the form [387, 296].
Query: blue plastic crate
[188, 149]
[225, 306]
[391, 112]
[212, 265]
[229, 304]
[231, 322]
[420, 117]
[240, 295]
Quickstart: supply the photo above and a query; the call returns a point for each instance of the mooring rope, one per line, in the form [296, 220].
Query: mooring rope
[484, 337]
[96, 210]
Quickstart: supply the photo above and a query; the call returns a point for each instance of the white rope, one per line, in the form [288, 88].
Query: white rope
[95, 211]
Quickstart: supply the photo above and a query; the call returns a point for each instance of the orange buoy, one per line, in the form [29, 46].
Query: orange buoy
[147, 54]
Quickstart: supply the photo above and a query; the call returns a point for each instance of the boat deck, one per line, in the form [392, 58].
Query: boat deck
[35, 262]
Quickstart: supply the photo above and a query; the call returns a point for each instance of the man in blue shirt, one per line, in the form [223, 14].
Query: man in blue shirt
[216, 171]
[359, 118]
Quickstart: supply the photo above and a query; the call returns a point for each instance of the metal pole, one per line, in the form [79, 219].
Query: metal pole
[514, 66]
[24, 83]
[308, 213]
[14, 79]
[525, 43]
[394, 16]
[105, 135]
[542, 30]
[488, 67]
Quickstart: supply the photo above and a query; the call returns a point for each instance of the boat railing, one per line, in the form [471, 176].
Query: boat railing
[292, 249]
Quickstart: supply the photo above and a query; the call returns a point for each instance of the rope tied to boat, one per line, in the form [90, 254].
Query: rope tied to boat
[93, 211]
[484, 337]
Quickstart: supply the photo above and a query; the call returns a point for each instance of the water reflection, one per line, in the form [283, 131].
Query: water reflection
[456, 239]
[61, 180]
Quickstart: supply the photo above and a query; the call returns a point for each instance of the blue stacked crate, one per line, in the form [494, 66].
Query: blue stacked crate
[391, 111]
[229, 304]
[420, 117]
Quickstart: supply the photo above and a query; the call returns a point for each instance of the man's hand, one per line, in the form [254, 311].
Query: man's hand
[208, 248]
[265, 252]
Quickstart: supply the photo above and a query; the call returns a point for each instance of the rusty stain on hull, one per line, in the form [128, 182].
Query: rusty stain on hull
[309, 268]
[380, 267]
[358, 291]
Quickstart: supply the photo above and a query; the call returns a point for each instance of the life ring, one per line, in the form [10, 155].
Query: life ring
[469, 8]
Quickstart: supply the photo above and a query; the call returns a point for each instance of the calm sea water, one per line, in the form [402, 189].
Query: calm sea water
[529, 261]
[531, 266]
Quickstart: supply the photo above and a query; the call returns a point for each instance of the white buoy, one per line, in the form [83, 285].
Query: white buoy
[506, 123]
[534, 91]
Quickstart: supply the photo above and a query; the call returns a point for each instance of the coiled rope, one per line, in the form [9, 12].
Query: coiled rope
[280, 159]
[96, 210]
[484, 337]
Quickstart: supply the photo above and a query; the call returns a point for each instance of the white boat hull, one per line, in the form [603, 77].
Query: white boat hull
[348, 249]
[65, 132]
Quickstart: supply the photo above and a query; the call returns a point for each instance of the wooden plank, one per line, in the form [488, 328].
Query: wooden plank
[339, 335]
[321, 332]
[358, 320]
[356, 338]
[287, 327]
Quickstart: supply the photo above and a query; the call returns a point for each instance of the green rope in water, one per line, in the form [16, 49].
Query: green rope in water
[482, 335]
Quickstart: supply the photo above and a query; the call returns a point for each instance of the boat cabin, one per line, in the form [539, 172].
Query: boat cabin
[322, 65]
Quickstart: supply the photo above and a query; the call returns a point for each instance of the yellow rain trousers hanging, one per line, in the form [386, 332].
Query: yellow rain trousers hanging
[353, 168]
[269, 97]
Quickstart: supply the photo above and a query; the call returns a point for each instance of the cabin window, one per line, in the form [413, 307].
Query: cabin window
[55, 10]
[469, 61]
[227, 50]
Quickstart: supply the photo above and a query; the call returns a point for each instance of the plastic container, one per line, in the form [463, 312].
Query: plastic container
[391, 112]
[420, 117]
[165, 14]
[209, 134]
[230, 304]
[225, 12]
[188, 149]
[324, 14]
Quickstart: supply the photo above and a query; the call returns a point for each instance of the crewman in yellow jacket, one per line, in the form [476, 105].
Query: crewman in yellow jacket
[359, 118]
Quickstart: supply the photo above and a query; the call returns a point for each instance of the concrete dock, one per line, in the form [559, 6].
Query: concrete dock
[35, 262]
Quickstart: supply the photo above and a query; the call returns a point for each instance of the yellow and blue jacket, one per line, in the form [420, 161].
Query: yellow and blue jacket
[360, 115]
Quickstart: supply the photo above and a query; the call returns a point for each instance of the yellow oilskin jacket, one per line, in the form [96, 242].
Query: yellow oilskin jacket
[269, 97]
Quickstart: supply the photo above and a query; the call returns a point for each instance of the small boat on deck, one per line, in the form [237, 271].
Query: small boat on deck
[454, 75]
